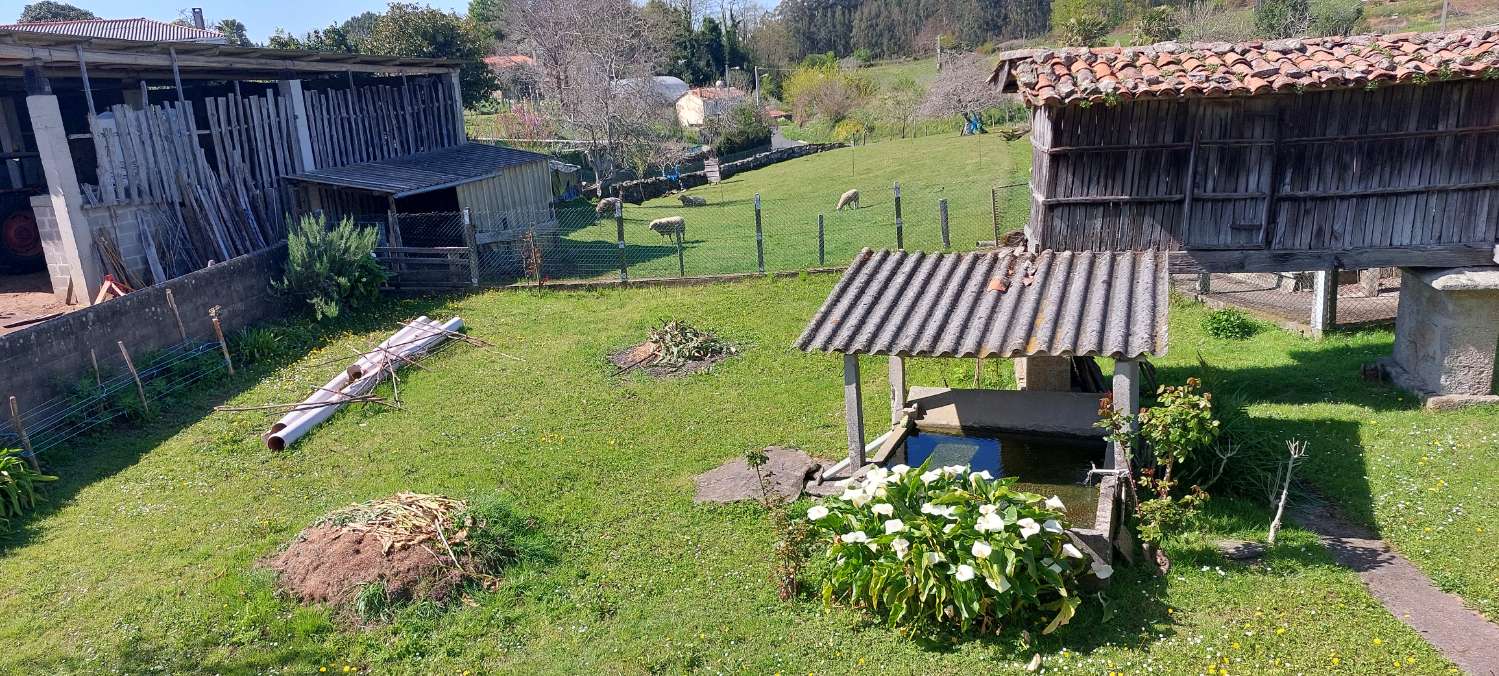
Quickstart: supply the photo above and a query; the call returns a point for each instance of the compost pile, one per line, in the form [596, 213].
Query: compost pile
[674, 348]
[408, 542]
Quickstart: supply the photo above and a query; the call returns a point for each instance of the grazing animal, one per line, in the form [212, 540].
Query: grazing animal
[693, 201]
[849, 199]
[671, 225]
[606, 206]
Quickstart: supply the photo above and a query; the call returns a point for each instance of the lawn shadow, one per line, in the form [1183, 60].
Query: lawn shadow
[112, 447]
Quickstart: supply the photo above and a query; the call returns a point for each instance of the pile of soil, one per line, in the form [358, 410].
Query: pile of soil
[403, 542]
[639, 358]
[675, 348]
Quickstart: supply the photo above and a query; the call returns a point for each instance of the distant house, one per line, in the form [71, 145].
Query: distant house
[701, 103]
[139, 28]
[666, 88]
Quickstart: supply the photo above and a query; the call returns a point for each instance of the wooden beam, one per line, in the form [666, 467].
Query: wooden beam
[1195, 261]
[853, 411]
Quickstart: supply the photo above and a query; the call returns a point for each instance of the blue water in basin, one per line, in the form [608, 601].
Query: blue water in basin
[1044, 465]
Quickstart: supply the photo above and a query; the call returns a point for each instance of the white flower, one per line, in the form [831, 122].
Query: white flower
[1002, 586]
[947, 511]
[894, 526]
[851, 494]
[1052, 526]
[1028, 527]
[985, 475]
[1055, 502]
[981, 549]
[817, 513]
[901, 546]
[990, 523]
[964, 573]
[954, 470]
[1071, 551]
[933, 558]
[883, 509]
[948, 528]
[900, 470]
[876, 476]
[928, 477]
[1102, 571]
[855, 536]
[988, 509]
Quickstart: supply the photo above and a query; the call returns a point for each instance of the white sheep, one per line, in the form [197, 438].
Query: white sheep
[671, 225]
[606, 206]
[693, 200]
[849, 199]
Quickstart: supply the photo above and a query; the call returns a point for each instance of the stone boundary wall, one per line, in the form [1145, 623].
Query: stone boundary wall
[644, 189]
[44, 360]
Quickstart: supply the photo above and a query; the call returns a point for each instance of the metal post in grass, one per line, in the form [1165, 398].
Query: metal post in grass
[15, 418]
[942, 218]
[822, 251]
[900, 228]
[471, 242]
[994, 212]
[619, 227]
[759, 237]
[681, 261]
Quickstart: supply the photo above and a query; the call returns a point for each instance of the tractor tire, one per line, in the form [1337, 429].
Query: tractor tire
[21, 243]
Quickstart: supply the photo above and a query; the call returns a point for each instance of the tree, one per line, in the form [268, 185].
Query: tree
[489, 16]
[416, 31]
[49, 10]
[234, 31]
[962, 88]
[359, 27]
[330, 39]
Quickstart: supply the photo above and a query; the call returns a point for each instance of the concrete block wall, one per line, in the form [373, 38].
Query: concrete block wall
[52, 246]
[44, 360]
[122, 225]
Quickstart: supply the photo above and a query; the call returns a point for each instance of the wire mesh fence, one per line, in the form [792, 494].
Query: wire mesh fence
[1363, 297]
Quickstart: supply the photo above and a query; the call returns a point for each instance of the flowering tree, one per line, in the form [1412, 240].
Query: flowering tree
[950, 552]
[962, 88]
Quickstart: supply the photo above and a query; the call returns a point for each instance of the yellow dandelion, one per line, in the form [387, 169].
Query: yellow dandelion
[322, 668]
[1336, 661]
[1280, 630]
[1236, 645]
[1378, 641]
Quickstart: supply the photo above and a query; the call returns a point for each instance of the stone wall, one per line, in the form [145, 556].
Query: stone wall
[43, 360]
[644, 189]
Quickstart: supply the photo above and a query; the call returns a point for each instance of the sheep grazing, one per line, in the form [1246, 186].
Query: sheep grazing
[606, 206]
[693, 201]
[849, 199]
[671, 225]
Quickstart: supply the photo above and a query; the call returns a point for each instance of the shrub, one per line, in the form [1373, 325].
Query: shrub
[1157, 24]
[1082, 31]
[256, 345]
[948, 553]
[742, 127]
[20, 486]
[1336, 17]
[1282, 18]
[1229, 324]
[331, 268]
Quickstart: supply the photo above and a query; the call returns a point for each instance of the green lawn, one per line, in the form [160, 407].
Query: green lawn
[721, 236]
[145, 559]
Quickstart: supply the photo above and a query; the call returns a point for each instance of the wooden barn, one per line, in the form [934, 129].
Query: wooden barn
[1343, 152]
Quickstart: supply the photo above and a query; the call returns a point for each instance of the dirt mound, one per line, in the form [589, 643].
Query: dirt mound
[407, 543]
[675, 348]
[641, 357]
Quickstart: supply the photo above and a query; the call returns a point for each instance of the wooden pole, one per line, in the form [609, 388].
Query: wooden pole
[140, 388]
[172, 303]
[619, 227]
[822, 251]
[759, 238]
[218, 332]
[94, 357]
[15, 418]
[897, 387]
[88, 90]
[853, 411]
[900, 228]
[942, 218]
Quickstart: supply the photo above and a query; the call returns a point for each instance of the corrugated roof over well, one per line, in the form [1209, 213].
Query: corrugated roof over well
[1002, 304]
[423, 172]
[1171, 69]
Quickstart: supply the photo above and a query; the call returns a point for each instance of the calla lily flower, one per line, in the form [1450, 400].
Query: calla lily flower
[1102, 571]
[900, 470]
[981, 549]
[817, 513]
[1071, 551]
[901, 546]
[1055, 503]
[883, 509]
[1052, 526]
[930, 476]
[990, 523]
[985, 475]
[1028, 527]
[855, 536]
[933, 558]
[964, 572]
[894, 526]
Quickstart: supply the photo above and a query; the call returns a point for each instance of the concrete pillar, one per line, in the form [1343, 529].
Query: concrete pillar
[1447, 336]
[291, 96]
[1325, 302]
[1045, 374]
[1126, 391]
[75, 263]
[853, 411]
[897, 387]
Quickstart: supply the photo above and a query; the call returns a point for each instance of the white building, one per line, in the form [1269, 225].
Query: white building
[701, 103]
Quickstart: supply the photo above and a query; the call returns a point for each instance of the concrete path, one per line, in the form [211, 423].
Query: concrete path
[1461, 635]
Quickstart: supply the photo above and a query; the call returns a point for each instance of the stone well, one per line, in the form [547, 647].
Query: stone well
[1447, 335]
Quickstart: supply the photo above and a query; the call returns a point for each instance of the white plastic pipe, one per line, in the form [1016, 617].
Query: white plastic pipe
[340, 381]
[421, 339]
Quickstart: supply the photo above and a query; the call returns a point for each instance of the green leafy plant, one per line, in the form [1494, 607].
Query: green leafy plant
[676, 342]
[20, 486]
[1082, 31]
[331, 268]
[1157, 24]
[256, 345]
[372, 602]
[742, 127]
[949, 553]
[1229, 324]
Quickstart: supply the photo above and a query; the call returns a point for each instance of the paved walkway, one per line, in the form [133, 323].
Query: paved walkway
[1462, 635]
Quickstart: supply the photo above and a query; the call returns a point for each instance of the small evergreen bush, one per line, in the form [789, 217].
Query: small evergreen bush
[1229, 324]
[331, 268]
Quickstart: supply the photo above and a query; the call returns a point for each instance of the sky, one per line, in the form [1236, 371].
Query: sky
[261, 17]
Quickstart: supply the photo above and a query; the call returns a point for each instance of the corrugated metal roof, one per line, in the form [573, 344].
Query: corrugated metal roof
[423, 172]
[139, 28]
[1000, 304]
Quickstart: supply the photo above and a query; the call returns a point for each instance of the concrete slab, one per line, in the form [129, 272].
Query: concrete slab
[968, 411]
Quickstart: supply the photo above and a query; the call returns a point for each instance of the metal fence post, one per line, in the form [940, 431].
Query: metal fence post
[681, 262]
[942, 218]
[900, 228]
[822, 252]
[759, 237]
[994, 212]
[619, 227]
[471, 240]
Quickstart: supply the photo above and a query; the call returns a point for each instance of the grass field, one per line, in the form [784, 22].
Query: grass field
[721, 236]
[144, 560]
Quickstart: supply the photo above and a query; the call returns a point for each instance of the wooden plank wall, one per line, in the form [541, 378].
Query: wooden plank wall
[504, 206]
[377, 122]
[1406, 166]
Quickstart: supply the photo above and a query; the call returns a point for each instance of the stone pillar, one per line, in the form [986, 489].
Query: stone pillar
[1045, 374]
[1447, 335]
[853, 411]
[75, 264]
